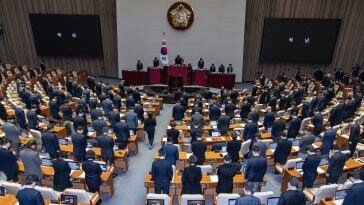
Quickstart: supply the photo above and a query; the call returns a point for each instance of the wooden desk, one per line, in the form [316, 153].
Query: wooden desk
[60, 131]
[9, 199]
[327, 202]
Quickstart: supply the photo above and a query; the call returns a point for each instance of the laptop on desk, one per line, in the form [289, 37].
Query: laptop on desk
[47, 162]
[74, 165]
[272, 200]
[273, 146]
[339, 196]
[155, 201]
[232, 201]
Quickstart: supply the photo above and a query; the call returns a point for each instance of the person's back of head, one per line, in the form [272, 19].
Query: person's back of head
[256, 150]
[31, 179]
[192, 160]
[161, 153]
[31, 144]
[293, 183]
[227, 159]
[248, 188]
[90, 155]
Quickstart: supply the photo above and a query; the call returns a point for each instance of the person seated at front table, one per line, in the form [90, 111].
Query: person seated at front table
[230, 69]
[155, 62]
[92, 171]
[28, 195]
[201, 64]
[178, 60]
[222, 69]
[139, 65]
[212, 68]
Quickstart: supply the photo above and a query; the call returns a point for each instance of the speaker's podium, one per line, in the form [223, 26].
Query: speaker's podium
[175, 82]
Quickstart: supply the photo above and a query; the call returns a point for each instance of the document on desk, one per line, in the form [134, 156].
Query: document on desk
[188, 155]
[320, 171]
[208, 139]
[214, 127]
[296, 148]
[242, 125]
[215, 134]
[82, 176]
[214, 178]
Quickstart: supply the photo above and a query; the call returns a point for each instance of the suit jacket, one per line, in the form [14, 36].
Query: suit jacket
[3, 114]
[191, 178]
[230, 69]
[197, 118]
[229, 110]
[121, 130]
[201, 64]
[61, 178]
[317, 122]
[251, 200]
[305, 112]
[254, 116]
[67, 112]
[306, 141]
[223, 123]
[178, 112]
[139, 111]
[54, 109]
[282, 151]
[162, 172]
[130, 102]
[294, 128]
[309, 168]
[327, 141]
[354, 194]
[95, 114]
[79, 142]
[106, 144]
[292, 197]
[277, 128]
[244, 110]
[225, 173]
[51, 144]
[199, 149]
[12, 133]
[268, 120]
[20, 117]
[233, 148]
[31, 161]
[114, 117]
[174, 134]
[149, 125]
[131, 119]
[116, 101]
[107, 105]
[336, 164]
[214, 113]
[32, 119]
[80, 121]
[29, 196]
[98, 126]
[172, 154]
[8, 164]
[250, 131]
[93, 172]
[255, 169]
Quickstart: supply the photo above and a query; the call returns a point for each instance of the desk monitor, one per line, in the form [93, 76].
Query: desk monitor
[299, 164]
[155, 201]
[2, 191]
[272, 200]
[324, 161]
[195, 202]
[63, 141]
[232, 201]
[74, 165]
[340, 194]
[103, 167]
[273, 145]
[104, 118]
[47, 162]
[68, 199]
[317, 139]
[296, 143]
[88, 116]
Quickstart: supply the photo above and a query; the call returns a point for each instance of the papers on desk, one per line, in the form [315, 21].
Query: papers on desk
[214, 178]
[82, 176]
[272, 150]
[169, 127]
[89, 134]
[359, 161]
[214, 127]
[315, 146]
[188, 155]
[2, 134]
[213, 123]
[164, 139]
[296, 148]
[242, 125]
[215, 134]
[72, 171]
[338, 202]
[208, 139]
[320, 171]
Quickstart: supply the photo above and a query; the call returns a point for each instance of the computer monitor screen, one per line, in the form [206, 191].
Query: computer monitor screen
[195, 202]
[74, 165]
[88, 116]
[103, 167]
[62, 141]
[68, 199]
[155, 202]
[2, 191]
[272, 201]
[299, 165]
[273, 145]
[317, 139]
[232, 201]
[323, 161]
[47, 162]
[296, 143]
[340, 194]
[90, 129]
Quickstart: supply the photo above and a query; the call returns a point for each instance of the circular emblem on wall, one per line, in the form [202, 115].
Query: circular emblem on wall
[180, 16]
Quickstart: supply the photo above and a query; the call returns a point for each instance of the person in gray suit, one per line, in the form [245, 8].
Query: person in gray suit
[306, 141]
[131, 119]
[12, 133]
[31, 160]
[223, 123]
[197, 119]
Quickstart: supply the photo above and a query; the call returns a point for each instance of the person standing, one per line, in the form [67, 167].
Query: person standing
[79, 143]
[201, 64]
[31, 160]
[309, 168]
[233, 148]
[61, 178]
[256, 168]
[28, 195]
[172, 154]
[226, 173]
[354, 138]
[149, 127]
[8, 161]
[139, 66]
[337, 161]
[92, 171]
[162, 173]
[198, 149]
[292, 196]
[155, 62]
[230, 69]
[191, 178]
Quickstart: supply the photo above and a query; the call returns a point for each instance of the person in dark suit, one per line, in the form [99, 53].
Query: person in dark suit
[140, 112]
[31, 160]
[96, 114]
[117, 102]
[12, 134]
[230, 69]
[107, 106]
[99, 126]
[327, 141]
[139, 65]
[306, 141]
[250, 131]
[197, 119]
[149, 127]
[129, 102]
[229, 109]
[195, 132]
[256, 167]
[171, 151]
[233, 148]
[294, 127]
[32, 119]
[309, 168]
[50, 143]
[80, 120]
[178, 60]
[277, 128]
[191, 178]
[222, 69]
[173, 133]
[61, 178]
[162, 173]
[155, 62]
[223, 124]
[178, 112]
[226, 173]
[54, 108]
[28, 195]
[212, 68]
[20, 117]
[106, 144]
[122, 132]
[292, 196]
[282, 150]
[318, 123]
[355, 193]
[66, 112]
[248, 198]
[201, 64]
[8, 165]
[199, 149]
[131, 119]
[114, 117]
[354, 138]
[214, 112]
[92, 171]
[337, 161]
[268, 119]
[245, 110]
[79, 142]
